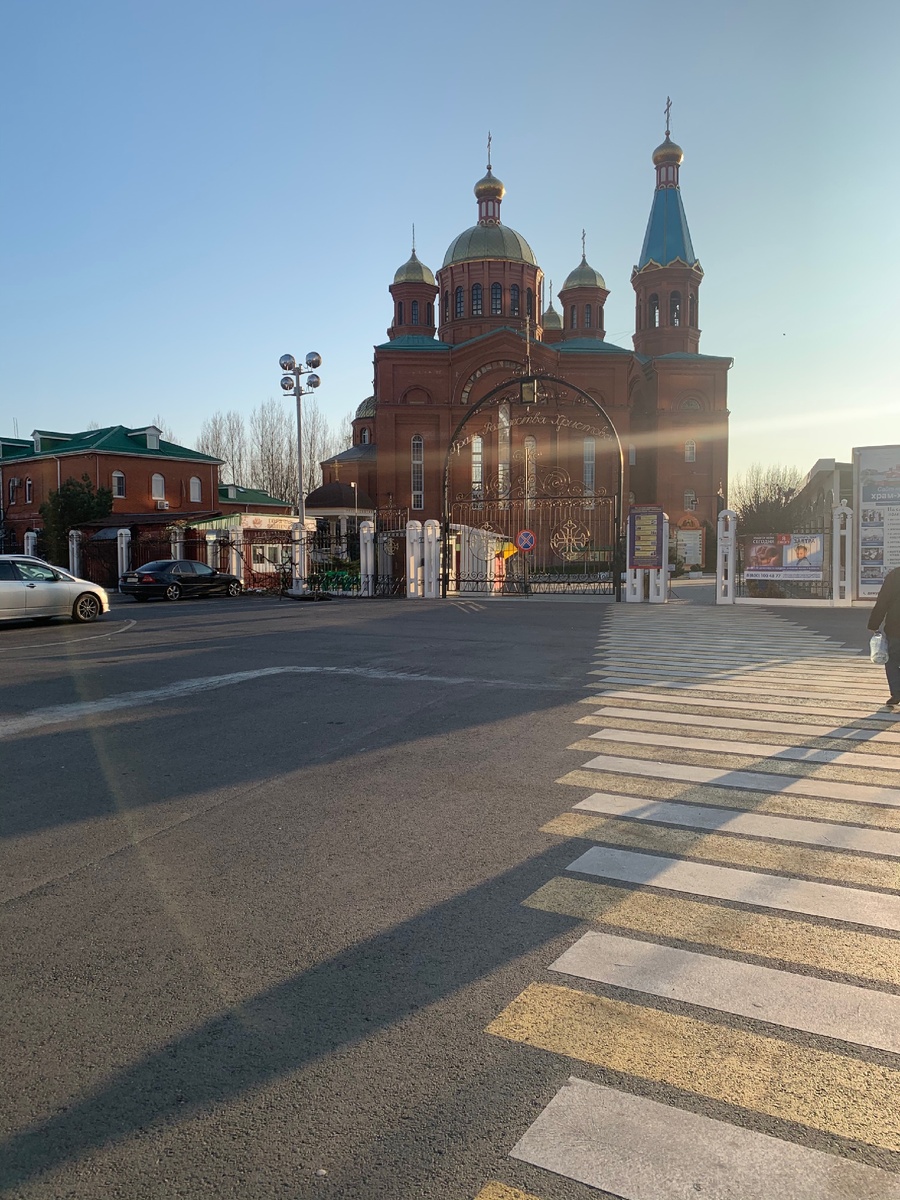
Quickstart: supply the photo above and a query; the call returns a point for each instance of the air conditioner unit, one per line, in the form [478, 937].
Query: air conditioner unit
[162, 504]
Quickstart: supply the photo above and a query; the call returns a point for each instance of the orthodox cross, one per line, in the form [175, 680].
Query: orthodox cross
[668, 111]
[489, 150]
[414, 238]
[582, 246]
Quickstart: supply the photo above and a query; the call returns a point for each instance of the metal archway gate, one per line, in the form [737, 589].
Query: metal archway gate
[535, 454]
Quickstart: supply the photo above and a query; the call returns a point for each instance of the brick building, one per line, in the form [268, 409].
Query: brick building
[447, 433]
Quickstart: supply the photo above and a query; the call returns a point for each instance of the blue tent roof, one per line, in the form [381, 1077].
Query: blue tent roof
[667, 237]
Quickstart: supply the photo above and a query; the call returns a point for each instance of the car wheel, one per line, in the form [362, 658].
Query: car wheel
[173, 591]
[234, 588]
[86, 608]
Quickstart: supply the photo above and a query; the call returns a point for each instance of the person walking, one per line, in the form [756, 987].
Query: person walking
[887, 612]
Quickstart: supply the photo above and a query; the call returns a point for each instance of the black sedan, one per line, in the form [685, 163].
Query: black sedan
[174, 578]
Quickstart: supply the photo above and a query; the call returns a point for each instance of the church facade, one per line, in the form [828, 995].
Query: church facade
[453, 433]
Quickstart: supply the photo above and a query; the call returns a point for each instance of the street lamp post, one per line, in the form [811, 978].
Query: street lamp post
[291, 382]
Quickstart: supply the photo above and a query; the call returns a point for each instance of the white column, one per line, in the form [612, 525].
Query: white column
[123, 549]
[842, 555]
[176, 542]
[75, 537]
[236, 560]
[414, 550]
[634, 580]
[298, 557]
[726, 556]
[367, 558]
[432, 536]
[31, 543]
[212, 557]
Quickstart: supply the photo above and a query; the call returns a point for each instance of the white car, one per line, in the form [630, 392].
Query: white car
[30, 589]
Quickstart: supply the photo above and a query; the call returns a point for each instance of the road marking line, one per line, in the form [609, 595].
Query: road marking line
[766, 750]
[749, 824]
[812, 899]
[794, 941]
[789, 858]
[500, 1191]
[642, 1150]
[738, 687]
[821, 1089]
[788, 728]
[884, 717]
[13, 726]
[748, 780]
[34, 647]
[835, 1010]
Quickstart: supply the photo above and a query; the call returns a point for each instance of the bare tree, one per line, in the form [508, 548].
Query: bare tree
[224, 435]
[273, 451]
[212, 441]
[165, 429]
[317, 441]
[765, 498]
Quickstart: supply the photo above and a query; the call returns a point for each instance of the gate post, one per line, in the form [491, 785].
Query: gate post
[634, 582]
[123, 550]
[414, 562]
[432, 533]
[235, 555]
[298, 557]
[659, 578]
[842, 539]
[367, 558]
[726, 556]
[211, 555]
[31, 543]
[75, 536]
[176, 542]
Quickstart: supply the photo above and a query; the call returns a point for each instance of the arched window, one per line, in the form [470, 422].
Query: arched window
[364, 436]
[399, 312]
[29, 491]
[692, 310]
[690, 500]
[459, 303]
[446, 306]
[514, 307]
[653, 312]
[587, 316]
[429, 314]
[477, 302]
[632, 455]
[477, 472]
[690, 451]
[589, 472]
[675, 308]
[503, 440]
[529, 303]
[158, 488]
[417, 475]
[573, 316]
[496, 300]
[118, 485]
[196, 490]
[414, 312]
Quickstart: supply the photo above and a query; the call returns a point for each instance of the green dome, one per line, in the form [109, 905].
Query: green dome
[551, 318]
[414, 271]
[366, 409]
[489, 241]
[584, 275]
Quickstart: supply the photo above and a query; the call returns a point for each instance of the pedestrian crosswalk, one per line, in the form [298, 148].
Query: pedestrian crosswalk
[732, 1010]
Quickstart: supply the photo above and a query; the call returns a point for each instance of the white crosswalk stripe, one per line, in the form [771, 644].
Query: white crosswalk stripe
[765, 720]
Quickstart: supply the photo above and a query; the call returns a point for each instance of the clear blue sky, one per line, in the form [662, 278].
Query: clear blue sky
[190, 188]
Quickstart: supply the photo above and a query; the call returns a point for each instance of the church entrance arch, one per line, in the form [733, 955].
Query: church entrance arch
[535, 453]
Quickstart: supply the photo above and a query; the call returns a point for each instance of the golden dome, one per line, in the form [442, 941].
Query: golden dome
[668, 152]
[489, 188]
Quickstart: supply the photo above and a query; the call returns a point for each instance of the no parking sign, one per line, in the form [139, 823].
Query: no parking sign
[525, 540]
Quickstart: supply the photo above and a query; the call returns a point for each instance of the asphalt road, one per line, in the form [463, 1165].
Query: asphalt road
[255, 927]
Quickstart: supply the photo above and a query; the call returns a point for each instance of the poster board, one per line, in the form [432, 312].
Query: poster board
[791, 557]
[645, 538]
[876, 495]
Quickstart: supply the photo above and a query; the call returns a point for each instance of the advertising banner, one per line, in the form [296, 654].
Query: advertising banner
[794, 557]
[876, 473]
[645, 537]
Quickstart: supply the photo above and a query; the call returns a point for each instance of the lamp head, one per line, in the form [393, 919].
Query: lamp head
[313, 360]
[313, 381]
[286, 362]
[287, 383]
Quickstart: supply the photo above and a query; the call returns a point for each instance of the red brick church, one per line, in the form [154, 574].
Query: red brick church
[452, 432]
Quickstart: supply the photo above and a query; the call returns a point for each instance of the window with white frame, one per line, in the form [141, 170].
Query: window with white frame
[12, 491]
[477, 471]
[477, 300]
[118, 485]
[496, 300]
[690, 500]
[158, 487]
[417, 477]
[196, 490]
[503, 444]
[589, 470]
[690, 451]
[364, 436]
[29, 491]
[458, 302]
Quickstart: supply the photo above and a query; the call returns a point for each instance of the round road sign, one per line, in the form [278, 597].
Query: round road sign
[525, 539]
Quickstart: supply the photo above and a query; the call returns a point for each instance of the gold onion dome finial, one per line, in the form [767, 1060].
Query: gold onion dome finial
[490, 187]
[668, 152]
[414, 271]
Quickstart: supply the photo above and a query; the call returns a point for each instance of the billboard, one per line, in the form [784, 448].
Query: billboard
[876, 483]
[645, 537]
[792, 557]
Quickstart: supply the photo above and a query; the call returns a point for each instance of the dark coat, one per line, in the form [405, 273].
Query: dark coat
[887, 606]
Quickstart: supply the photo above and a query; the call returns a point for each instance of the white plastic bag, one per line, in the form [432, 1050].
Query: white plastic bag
[878, 649]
